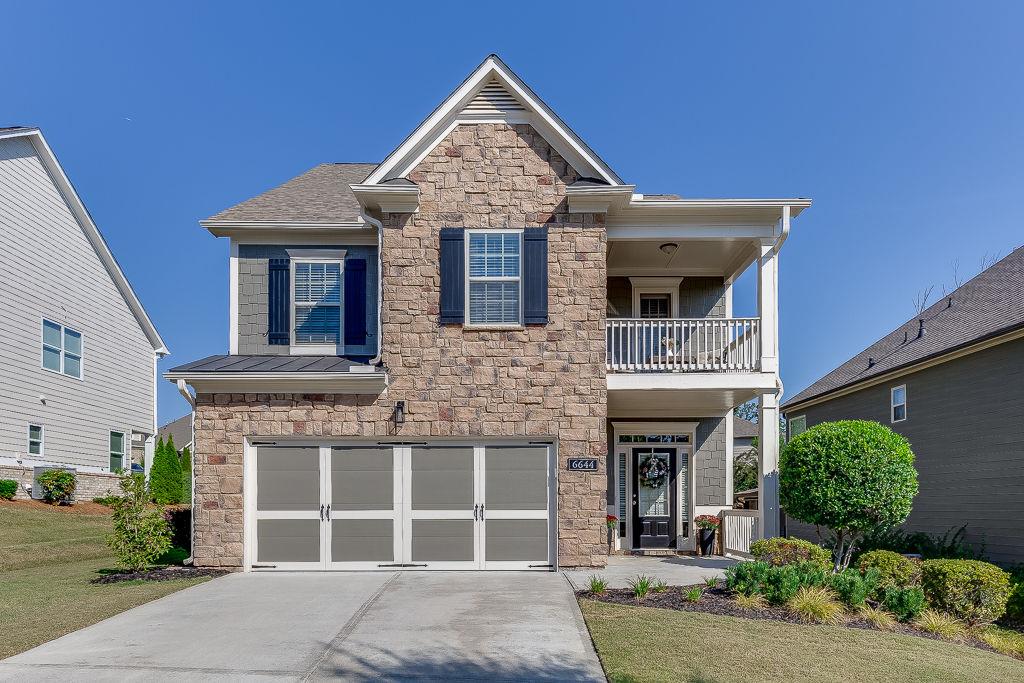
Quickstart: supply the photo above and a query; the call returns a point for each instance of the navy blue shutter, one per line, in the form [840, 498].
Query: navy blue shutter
[279, 302]
[535, 276]
[355, 302]
[453, 276]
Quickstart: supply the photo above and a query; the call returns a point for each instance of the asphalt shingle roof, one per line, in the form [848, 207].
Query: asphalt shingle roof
[989, 304]
[743, 429]
[320, 195]
[180, 429]
[242, 364]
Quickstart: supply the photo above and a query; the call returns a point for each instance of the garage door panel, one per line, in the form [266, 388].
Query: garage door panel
[511, 540]
[517, 478]
[288, 479]
[363, 540]
[443, 479]
[288, 540]
[362, 478]
[443, 540]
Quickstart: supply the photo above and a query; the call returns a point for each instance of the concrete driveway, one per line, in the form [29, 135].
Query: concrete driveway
[448, 626]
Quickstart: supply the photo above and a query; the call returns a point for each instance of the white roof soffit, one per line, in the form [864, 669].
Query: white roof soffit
[92, 233]
[455, 109]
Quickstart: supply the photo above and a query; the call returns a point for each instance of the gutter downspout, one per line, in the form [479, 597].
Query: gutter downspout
[183, 390]
[380, 283]
[780, 240]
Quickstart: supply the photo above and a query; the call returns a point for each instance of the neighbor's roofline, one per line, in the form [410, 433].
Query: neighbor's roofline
[1001, 336]
[492, 64]
[81, 214]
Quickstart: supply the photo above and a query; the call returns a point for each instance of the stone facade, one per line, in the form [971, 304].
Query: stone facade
[89, 484]
[544, 381]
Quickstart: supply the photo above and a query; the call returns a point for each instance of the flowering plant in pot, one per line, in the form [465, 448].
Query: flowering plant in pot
[612, 522]
[707, 524]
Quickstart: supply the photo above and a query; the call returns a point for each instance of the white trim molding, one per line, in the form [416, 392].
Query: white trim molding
[657, 285]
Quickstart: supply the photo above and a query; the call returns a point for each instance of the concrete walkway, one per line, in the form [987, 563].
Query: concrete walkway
[357, 626]
[675, 570]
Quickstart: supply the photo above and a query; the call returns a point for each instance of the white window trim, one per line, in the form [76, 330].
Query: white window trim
[468, 323]
[314, 256]
[791, 421]
[42, 344]
[125, 449]
[893, 404]
[656, 285]
[29, 440]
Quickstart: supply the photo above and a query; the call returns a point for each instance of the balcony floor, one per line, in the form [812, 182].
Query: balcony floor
[683, 394]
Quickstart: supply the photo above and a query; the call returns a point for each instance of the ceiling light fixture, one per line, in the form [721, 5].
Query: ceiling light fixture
[669, 248]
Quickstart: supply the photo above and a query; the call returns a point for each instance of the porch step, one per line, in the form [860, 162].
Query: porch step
[658, 552]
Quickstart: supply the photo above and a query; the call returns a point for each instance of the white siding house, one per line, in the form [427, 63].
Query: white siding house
[77, 351]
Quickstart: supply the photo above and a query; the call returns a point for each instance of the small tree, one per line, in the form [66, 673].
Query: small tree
[165, 474]
[850, 477]
[186, 476]
[139, 536]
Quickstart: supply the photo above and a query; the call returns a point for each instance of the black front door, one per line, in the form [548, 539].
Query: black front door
[654, 498]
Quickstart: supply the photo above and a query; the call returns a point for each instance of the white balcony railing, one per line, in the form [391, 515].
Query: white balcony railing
[683, 344]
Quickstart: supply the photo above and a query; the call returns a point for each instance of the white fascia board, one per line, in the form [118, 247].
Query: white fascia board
[388, 198]
[284, 382]
[444, 118]
[598, 199]
[235, 228]
[796, 204]
[92, 233]
[697, 380]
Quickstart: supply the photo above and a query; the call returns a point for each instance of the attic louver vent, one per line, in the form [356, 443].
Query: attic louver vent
[493, 99]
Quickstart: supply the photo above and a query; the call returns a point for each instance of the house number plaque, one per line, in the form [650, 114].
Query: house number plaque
[583, 464]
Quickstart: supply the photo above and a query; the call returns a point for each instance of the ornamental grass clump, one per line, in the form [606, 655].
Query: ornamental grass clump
[658, 586]
[815, 605]
[970, 590]
[693, 594]
[850, 477]
[597, 585]
[755, 602]
[942, 625]
[711, 582]
[877, 617]
[640, 586]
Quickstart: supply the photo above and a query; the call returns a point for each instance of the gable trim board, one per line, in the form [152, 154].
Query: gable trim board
[451, 112]
[92, 233]
[916, 366]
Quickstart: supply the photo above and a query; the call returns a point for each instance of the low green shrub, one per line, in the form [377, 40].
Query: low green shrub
[780, 551]
[747, 578]
[640, 586]
[969, 590]
[1015, 603]
[781, 584]
[106, 500]
[597, 585]
[693, 594]
[815, 605]
[180, 521]
[776, 584]
[904, 603]
[58, 486]
[852, 587]
[174, 556]
[894, 570]
[140, 535]
[8, 487]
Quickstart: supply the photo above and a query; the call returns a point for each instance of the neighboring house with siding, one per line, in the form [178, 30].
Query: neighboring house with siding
[952, 381]
[78, 358]
[466, 356]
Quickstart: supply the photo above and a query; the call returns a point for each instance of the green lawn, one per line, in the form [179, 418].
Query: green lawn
[644, 644]
[47, 558]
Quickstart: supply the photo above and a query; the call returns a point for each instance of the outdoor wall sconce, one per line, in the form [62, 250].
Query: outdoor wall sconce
[399, 415]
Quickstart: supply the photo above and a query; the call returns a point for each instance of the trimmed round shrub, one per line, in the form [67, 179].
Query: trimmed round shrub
[971, 590]
[905, 603]
[781, 584]
[58, 486]
[894, 570]
[852, 587]
[850, 477]
[779, 551]
[1015, 605]
[747, 578]
[8, 487]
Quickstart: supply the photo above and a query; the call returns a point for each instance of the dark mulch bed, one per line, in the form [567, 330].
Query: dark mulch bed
[166, 574]
[720, 601]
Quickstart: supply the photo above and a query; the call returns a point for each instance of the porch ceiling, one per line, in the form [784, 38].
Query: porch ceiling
[675, 403]
[691, 257]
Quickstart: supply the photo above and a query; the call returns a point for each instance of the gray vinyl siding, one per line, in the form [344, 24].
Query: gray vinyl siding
[965, 423]
[709, 462]
[49, 269]
[699, 297]
[253, 297]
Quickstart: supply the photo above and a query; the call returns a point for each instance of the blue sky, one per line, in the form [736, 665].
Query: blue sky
[903, 121]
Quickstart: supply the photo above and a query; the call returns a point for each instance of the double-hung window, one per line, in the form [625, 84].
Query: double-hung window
[494, 282]
[797, 425]
[62, 349]
[35, 439]
[898, 403]
[116, 451]
[316, 307]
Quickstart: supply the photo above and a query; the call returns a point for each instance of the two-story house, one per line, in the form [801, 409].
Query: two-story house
[468, 355]
[78, 354]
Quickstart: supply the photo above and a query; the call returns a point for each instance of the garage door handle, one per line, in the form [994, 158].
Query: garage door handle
[321, 512]
[476, 512]
[481, 511]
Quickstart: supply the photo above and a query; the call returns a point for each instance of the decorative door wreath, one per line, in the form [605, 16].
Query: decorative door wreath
[653, 472]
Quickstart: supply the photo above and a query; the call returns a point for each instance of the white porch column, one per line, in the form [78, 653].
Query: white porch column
[149, 449]
[768, 305]
[768, 466]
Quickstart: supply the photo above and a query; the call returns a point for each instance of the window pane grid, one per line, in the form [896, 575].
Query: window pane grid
[35, 440]
[116, 451]
[317, 302]
[62, 349]
[318, 283]
[494, 278]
